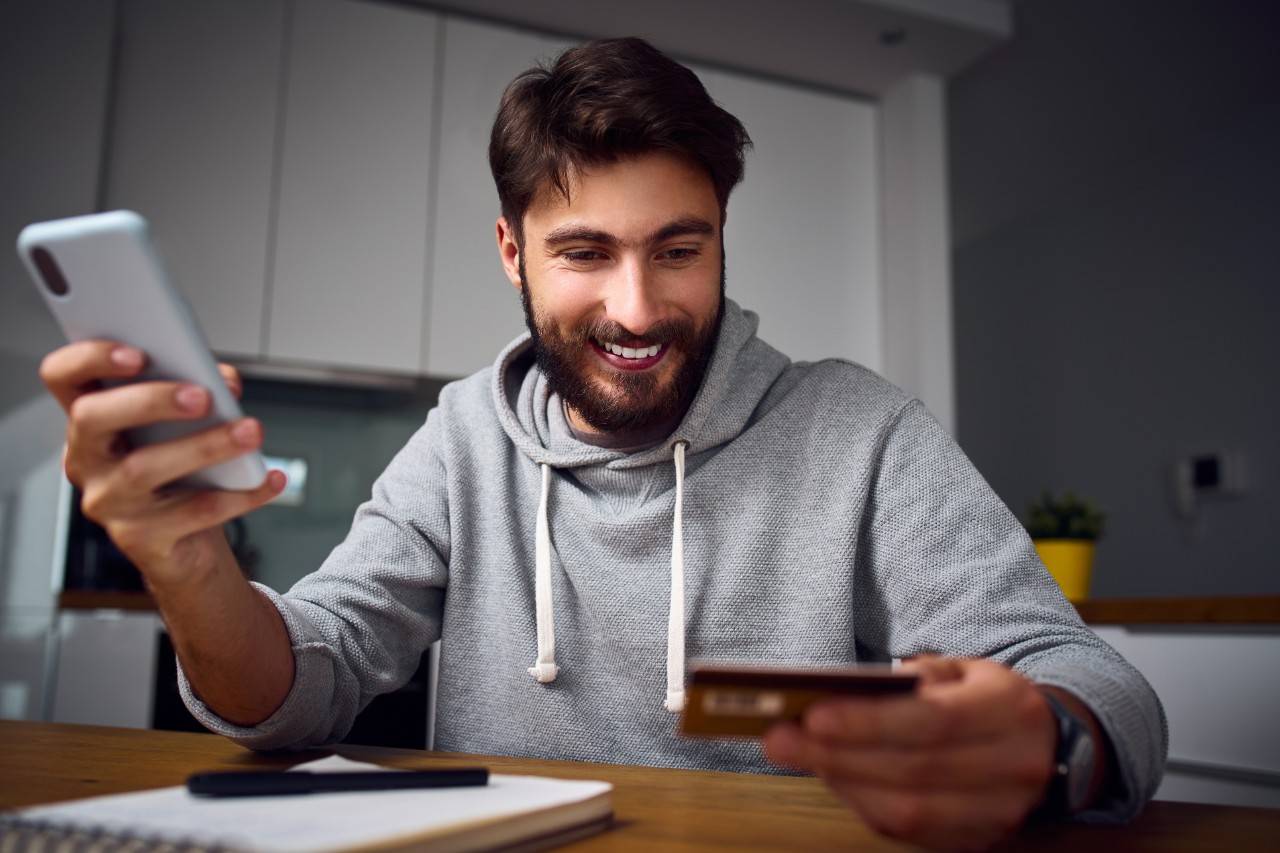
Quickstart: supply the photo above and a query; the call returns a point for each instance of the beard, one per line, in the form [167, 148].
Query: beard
[632, 400]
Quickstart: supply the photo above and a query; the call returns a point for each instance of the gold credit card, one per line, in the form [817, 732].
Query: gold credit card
[745, 701]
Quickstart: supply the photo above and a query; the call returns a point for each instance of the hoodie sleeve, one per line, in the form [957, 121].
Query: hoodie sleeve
[360, 623]
[945, 567]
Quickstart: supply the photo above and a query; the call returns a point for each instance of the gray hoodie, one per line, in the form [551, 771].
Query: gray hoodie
[801, 513]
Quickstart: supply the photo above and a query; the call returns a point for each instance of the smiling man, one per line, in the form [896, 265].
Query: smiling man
[629, 293]
[637, 481]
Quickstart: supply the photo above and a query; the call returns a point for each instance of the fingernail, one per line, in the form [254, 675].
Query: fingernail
[126, 357]
[278, 480]
[245, 432]
[191, 397]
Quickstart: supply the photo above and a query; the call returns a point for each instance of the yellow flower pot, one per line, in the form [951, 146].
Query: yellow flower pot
[1070, 561]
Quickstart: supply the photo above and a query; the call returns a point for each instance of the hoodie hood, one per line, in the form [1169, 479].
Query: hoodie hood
[740, 373]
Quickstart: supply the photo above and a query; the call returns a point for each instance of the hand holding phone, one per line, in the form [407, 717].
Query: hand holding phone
[155, 439]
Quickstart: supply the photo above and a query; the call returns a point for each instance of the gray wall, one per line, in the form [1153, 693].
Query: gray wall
[1116, 210]
[54, 58]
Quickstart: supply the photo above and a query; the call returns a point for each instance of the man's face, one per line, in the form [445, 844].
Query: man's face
[623, 288]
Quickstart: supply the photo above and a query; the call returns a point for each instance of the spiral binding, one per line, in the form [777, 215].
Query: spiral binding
[19, 835]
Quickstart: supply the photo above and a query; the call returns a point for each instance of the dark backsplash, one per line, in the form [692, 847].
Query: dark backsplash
[346, 435]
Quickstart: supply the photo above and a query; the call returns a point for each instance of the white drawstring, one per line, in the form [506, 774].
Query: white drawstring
[544, 669]
[675, 616]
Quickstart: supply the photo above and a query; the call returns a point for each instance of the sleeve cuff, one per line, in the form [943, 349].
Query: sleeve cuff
[1137, 739]
[300, 721]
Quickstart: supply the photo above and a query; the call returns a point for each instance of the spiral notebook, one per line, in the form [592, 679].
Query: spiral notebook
[529, 811]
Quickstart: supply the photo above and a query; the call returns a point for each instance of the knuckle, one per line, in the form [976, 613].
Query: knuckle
[93, 502]
[1030, 707]
[904, 817]
[71, 468]
[129, 537]
[48, 369]
[80, 412]
[132, 471]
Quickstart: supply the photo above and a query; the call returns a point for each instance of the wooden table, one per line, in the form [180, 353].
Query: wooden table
[655, 809]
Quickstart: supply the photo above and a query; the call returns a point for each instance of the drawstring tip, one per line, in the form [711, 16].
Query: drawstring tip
[675, 701]
[544, 672]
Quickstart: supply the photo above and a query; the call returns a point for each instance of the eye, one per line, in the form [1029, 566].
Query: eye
[582, 256]
[679, 254]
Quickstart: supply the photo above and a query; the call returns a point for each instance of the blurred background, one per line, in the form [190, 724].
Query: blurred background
[1054, 221]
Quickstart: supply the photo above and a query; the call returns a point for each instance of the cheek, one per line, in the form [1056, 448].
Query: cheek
[697, 294]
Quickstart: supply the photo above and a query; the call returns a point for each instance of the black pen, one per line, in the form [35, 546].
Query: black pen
[267, 784]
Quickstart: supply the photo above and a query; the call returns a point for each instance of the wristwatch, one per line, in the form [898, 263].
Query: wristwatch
[1074, 761]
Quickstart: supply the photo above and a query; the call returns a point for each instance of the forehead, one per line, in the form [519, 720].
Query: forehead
[627, 198]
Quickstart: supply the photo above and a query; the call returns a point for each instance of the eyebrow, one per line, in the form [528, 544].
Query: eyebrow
[571, 233]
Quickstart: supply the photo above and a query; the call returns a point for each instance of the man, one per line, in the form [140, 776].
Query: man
[639, 480]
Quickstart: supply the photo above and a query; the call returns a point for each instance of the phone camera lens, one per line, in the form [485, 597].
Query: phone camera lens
[49, 272]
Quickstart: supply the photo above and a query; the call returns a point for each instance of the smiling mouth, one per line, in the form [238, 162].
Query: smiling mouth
[629, 358]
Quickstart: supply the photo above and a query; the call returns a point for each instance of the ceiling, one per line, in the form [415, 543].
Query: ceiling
[854, 46]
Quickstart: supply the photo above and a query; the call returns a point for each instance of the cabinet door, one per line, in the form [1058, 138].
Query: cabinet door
[474, 309]
[350, 265]
[802, 234]
[191, 148]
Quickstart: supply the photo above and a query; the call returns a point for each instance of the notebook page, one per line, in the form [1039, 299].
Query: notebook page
[312, 821]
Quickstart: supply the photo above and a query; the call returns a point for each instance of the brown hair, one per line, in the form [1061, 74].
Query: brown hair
[599, 102]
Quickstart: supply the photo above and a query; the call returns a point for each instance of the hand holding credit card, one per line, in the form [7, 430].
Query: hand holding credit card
[746, 701]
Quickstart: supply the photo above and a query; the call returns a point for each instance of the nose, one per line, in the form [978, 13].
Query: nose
[633, 299]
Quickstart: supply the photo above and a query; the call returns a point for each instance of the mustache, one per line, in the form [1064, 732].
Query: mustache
[661, 333]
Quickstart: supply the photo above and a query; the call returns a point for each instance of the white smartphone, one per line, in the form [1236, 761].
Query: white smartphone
[102, 279]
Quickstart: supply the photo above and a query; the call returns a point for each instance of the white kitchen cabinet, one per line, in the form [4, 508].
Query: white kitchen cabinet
[474, 310]
[1221, 700]
[350, 272]
[106, 668]
[192, 137]
[803, 232]
[377, 251]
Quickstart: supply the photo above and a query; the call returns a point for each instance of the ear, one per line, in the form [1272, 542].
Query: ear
[509, 251]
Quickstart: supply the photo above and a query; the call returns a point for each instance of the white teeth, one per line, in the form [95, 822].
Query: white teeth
[630, 352]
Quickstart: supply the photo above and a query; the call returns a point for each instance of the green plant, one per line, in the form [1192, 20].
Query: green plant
[1067, 517]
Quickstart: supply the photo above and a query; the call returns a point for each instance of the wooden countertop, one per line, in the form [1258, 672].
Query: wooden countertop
[654, 809]
[1221, 610]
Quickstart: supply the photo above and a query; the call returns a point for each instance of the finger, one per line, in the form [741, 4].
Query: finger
[71, 370]
[95, 419]
[972, 820]
[1019, 760]
[151, 536]
[148, 468]
[213, 507]
[232, 377]
[947, 712]
[785, 745]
